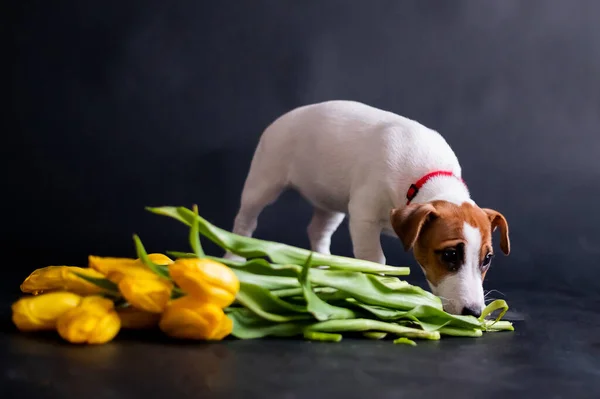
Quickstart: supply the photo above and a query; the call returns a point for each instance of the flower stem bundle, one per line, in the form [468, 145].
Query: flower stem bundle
[277, 291]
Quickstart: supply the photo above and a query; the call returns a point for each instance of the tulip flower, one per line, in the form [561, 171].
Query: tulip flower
[190, 318]
[94, 321]
[116, 268]
[150, 295]
[132, 318]
[39, 313]
[61, 278]
[206, 280]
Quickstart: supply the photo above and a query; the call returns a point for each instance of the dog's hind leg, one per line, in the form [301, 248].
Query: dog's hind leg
[254, 200]
[264, 183]
[322, 226]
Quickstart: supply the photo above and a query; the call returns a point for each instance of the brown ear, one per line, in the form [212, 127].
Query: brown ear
[498, 220]
[408, 222]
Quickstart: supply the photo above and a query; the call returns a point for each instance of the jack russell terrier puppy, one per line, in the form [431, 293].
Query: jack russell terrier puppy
[390, 175]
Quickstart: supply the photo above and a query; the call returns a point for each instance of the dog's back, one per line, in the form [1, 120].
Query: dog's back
[324, 149]
[338, 152]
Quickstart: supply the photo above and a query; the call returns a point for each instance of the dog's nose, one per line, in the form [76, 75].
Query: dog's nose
[471, 311]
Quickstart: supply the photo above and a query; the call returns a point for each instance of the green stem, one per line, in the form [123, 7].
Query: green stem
[374, 335]
[195, 236]
[323, 337]
[460, 332]
[500, 325]
[143, 255]
[368, 324]
[405, 341]
[492, 307]
[103, 283]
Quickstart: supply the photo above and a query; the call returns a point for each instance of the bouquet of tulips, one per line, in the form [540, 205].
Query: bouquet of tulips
[278, 290]
[185, 298]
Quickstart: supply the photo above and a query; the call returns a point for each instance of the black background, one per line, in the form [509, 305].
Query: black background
[119, 105]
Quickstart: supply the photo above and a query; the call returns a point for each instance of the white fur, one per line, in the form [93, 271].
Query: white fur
[465, 288]
[347, 158]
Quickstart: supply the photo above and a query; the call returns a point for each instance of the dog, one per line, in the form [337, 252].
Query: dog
[390, 175]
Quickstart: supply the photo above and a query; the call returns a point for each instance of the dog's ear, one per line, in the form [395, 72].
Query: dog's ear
[408, 222]
[498, 220]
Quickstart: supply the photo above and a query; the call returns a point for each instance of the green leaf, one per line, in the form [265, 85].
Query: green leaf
[99, 282]
[143, 255]
[262, 273]
[372, 325]
[322, 337]
[287, 292]
[247, 325]
[281, 298]
[405, 341]
[291, 292]
[315, 305]
[429, 318]
[249, 247]
[195, 236]
[262, 267]
[261, 302]
[367, 288]
[266, 282]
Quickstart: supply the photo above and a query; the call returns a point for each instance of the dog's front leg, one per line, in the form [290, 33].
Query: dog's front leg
[366, 240]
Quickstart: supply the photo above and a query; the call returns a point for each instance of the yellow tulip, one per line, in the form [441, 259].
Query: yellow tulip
[61, 278]
[190, 318]
[94, 321]
[37, 313]
[116, 268]
[132, 318]
[150, 295]
[206, 280]
[105, 265]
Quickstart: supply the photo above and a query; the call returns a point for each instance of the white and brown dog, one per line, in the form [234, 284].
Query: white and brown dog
[391, 175]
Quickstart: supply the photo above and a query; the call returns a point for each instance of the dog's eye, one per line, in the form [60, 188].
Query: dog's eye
[487, 260]
[450, 258]
[450, 255]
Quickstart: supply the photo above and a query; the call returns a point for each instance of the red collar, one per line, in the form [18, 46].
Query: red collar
[414, 188]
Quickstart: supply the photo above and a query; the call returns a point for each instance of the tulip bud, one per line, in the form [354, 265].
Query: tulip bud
[94, 321]
[116, 268]
[38, 313]
[105, 265]
[150, 295]
[190, 318]
[61, 278]
[206, 280]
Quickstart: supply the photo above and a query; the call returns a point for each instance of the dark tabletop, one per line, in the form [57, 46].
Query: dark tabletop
[121, 105]
[554, 352]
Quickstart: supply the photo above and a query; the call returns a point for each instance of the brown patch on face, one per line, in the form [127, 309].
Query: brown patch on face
[433, 227]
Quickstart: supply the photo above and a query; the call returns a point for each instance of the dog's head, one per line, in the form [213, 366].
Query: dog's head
[453, 245]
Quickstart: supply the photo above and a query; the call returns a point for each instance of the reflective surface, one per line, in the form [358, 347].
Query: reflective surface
[554, 352]
[121, 105]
